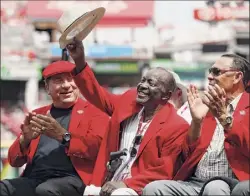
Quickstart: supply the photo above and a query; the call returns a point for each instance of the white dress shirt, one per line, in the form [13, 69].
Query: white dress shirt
[184, 112]
[129, 131]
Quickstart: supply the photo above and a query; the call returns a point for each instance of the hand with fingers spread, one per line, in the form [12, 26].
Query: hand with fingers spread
[49, 126]
[29, 132]
[109, 187]
[198, 109]
[216, 101]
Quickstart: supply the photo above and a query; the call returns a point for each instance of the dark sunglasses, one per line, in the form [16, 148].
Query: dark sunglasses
[215, 71]
[137, 141]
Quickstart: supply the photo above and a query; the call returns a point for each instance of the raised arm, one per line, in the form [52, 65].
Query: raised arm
[87, 83]
[198, 112]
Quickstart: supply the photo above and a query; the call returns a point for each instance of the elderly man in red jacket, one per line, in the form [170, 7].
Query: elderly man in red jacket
[217, 149]
[144, 127]
[59, 142]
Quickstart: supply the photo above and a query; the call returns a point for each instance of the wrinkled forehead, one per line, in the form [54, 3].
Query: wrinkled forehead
[155, 74]
[223, 62]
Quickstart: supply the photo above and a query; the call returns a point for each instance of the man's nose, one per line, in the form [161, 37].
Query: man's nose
[66, 84]
[210, 76]
[143, 85]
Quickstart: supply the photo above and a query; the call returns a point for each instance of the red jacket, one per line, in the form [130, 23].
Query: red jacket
[237, 145]
[87, 127]
[160, 146]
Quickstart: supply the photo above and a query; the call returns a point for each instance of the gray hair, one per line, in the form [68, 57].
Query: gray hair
[169, 81]
[239, 62]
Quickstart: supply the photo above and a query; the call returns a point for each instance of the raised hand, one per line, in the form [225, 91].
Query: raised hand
[76, 50]
[49, 126]
[29, 132]
[198, 109]
[216, 101]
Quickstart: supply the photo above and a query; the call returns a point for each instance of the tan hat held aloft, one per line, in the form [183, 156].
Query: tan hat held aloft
[75, 23]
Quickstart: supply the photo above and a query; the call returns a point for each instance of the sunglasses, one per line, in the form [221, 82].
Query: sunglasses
[215, 71]
[137, 141]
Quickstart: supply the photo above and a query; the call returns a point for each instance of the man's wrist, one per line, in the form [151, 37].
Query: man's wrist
[226, 121]
[66, 138]
[23, 141]
[80, 65]
[24, 144]
[78, 70]
[59, 137]
[194, 131]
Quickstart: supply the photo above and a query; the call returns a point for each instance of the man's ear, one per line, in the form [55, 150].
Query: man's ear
[167, 96]
[47, 87]
[238, 77]
[179, 93]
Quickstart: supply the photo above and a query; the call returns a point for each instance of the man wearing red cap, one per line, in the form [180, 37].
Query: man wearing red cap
[59, 142]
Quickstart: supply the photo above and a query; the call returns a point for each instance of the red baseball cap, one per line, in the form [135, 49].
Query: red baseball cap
[57, 68]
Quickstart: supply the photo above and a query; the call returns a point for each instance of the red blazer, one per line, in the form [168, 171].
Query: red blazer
[160, 146]
[237, 145]
[87, 127]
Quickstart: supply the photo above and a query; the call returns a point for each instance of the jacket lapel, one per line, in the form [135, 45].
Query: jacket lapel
[127, 112]
[242, 106]
[155, 126]
[77, 115]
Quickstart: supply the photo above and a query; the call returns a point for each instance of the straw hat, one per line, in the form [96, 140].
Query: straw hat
[76, 23]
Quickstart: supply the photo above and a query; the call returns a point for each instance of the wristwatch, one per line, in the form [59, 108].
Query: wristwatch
[228, 120]
[66, 138]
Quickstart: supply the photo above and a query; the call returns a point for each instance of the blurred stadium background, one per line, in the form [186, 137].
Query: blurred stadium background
[183, 36]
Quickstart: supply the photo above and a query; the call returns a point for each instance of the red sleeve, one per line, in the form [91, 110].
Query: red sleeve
[89, 144]
[16, 157]
[94, 93]
[166, 166]
[188, 148]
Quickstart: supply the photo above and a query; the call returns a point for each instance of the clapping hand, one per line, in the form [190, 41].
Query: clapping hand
[29, 132]
[215, 99]
[48, 125]
[198, 109]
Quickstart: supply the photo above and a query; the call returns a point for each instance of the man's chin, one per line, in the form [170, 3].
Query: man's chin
[69, 100]
[141, 101]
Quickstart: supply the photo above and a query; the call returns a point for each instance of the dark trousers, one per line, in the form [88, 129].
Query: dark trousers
[66, 186]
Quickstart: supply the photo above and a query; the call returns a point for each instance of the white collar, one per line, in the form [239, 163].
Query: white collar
[235, 101]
